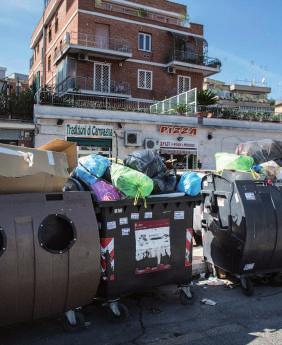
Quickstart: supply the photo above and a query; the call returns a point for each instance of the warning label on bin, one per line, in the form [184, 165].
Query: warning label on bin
[188, 256]
[108, 258]
[153, 251]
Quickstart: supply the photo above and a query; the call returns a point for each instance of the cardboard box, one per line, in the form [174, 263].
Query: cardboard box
[44, 169]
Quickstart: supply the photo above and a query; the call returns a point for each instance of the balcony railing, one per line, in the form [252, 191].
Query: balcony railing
[183, 20]
[85, 40]
[182, 104]
[195, 58]
[90, 85]
[48, 97]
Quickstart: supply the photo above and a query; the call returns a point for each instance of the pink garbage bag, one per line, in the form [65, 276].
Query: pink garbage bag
[105, 191]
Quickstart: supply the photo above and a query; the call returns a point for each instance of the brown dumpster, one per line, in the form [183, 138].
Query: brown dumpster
[49, 254]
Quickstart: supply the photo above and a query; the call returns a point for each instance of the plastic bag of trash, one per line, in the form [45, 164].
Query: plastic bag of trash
[130, 182]
[229, 161]
[103, 191]
[262, 150]
[148, 162]
[190, 184]
[95, 164]
[165, 184]
[84, 176]
[271, 169]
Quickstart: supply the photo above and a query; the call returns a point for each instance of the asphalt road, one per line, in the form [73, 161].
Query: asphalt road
[158, 318]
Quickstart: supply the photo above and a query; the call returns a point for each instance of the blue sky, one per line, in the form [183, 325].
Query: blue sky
[245, 34]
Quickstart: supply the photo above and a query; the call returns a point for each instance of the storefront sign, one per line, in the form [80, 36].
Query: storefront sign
[177, 145]
[89, 131]
[175, 130]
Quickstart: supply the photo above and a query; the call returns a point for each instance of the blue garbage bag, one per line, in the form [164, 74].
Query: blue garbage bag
[95, 164]
[190, 184]
[83, 175]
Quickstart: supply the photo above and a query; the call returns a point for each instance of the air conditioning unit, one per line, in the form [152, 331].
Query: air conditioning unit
[67, 38]
[152, 144]
[132, 138]
[171, 70]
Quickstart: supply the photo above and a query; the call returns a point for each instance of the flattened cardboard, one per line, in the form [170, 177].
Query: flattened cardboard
[24, 170]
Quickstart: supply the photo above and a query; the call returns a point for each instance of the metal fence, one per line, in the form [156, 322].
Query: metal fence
[182, 104]
[46, 97]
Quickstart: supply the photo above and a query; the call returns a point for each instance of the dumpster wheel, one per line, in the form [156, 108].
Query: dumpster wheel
[247, 286]
[186, 296]
[117, 311]
[73, 321]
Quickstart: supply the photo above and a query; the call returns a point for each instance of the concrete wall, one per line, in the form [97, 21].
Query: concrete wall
[223, 135]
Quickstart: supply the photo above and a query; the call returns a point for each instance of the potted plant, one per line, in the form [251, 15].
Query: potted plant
[205, 98]
[182, 109]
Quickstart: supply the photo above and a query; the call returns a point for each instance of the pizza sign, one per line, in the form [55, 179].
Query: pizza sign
[175, 130]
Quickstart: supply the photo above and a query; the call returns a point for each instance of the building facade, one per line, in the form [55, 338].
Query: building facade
[142, 50]
[243, 97]
[16, 116]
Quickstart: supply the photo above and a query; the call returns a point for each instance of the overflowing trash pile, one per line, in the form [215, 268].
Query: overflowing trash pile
[141, 174]
[263, 159]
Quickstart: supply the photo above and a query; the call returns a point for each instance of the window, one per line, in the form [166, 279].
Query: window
[55, 53]
[50, 34]
[49, 63]
[56, 24]
[145, 79]
[145, 42]
[183, 84]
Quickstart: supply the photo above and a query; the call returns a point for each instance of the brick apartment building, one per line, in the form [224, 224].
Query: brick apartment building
[137, 50]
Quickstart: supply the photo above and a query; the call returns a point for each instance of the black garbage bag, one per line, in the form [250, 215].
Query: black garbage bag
[148, 162]
[165, 184]
[74, 185]
[262, 150]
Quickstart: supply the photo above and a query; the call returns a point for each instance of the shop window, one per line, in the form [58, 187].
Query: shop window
[145, 42]
[183, 84]
[145, 79]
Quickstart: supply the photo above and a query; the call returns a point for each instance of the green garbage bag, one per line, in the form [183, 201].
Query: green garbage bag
[132, 183]
[229, 161]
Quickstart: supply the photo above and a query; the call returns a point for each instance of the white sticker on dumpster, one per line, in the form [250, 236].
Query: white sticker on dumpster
[250, 196]
[111, 225]
[125, 232]
[148, 215]
[153, 250]
[249, 267]
[123, 221]
[118, 210]
[236, 198]
[135, 216]
[179, 215]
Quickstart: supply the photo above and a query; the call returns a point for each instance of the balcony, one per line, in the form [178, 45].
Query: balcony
[135, 10]
[92, 46]
[90, 86]
[84, 101]
[194, 62]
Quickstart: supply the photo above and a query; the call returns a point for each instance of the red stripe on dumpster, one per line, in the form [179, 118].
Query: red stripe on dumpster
[189, 243]
[107, 258]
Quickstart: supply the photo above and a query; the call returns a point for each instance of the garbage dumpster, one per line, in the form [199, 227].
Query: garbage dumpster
[242, 225]
[49, 256]
[144, 247]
